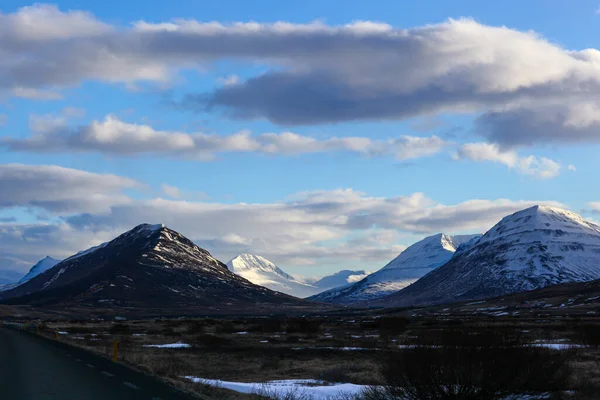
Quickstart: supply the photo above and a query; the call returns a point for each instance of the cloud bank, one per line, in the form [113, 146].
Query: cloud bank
[115, 137]
[318, 73]
[307, 228]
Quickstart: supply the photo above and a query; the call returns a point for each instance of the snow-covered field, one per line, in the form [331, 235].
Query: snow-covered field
[313, 389]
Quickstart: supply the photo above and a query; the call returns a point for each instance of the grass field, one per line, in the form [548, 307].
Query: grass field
[359, 350]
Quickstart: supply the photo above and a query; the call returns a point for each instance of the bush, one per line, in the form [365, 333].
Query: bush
[303, 325]
[119, 329]
[588, 335]
[336, 374]
[225, 327]
[211, 341]
[292, 394]
[389, 325]
[481, 367]
[268, 325]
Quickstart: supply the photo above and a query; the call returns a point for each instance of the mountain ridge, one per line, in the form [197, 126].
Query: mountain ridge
[263, 272]
[527, 250]
[147, 266]
[414, 262]
[43, 265]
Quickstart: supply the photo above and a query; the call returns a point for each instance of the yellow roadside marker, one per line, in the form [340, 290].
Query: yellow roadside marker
[115, 350]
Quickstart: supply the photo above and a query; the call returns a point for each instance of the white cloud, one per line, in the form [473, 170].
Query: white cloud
[310, 228]
[113, 136]
[317, 73]
[35, 94]
[568, 120]
[61, 190]
[229, 80]
[51, 123]
[171, 191]
[543, 168]
[594, 206]
[3, 119]
[43, 22]
[356, 278]
[572, 168]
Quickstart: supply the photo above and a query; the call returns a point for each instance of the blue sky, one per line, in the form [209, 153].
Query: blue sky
[319, 146]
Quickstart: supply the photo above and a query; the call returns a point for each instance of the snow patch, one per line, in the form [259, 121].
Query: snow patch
[310, 388]
[169, 346]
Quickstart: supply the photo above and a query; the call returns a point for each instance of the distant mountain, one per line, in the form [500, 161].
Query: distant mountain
[530, 249]
[148, 266]
[340, 278]
[41, 266]
[414, 262]
[263, 272]
[9, 276]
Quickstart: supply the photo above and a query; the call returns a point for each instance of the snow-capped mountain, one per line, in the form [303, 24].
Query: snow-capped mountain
[41, 266]
[148, 266]
[414, 262]
[263, 272]
[530, 249]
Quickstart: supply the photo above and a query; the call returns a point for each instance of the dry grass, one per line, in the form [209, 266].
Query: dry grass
[272, 349]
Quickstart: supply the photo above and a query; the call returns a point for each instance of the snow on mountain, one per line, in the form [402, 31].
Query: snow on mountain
[263, 272]
[414, 262]
[148, 266]
[530, 249]
[340, 279]
[41, 266]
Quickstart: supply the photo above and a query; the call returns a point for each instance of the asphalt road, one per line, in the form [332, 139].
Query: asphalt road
[35, 368]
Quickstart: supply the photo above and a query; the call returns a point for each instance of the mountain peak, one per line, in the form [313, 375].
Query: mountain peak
[148, 228]
[415, 261]
[541, 218]
[41, 266]
[429, 252]
[261, 271]
[545, 210]
[246, 263]
[149, 265]
[252, 261]
[530, 249]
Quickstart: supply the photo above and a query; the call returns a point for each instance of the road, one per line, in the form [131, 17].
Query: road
[35, 368]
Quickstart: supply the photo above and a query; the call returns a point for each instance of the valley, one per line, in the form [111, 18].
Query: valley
[208, 356]
[529, 286]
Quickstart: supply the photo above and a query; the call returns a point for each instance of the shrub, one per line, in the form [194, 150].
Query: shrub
[225, 327]
[303, 325]
[118, 329]
[588, 334]
[268, 325]
[336, 374]
[390, 325]
[481, 367]
[211, 341]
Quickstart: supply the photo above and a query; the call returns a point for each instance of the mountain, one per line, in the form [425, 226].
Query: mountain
[148, 266]
[41, 266]
[9, 276]
[414, 262]
[339, 279]
[528, 250]
[263, 272]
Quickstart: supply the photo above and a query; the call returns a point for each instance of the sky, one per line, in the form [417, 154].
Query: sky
[320, 137]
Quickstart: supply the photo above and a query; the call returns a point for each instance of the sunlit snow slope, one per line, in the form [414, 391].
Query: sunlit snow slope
[263, 272]
[530, 249]
[414, 262]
